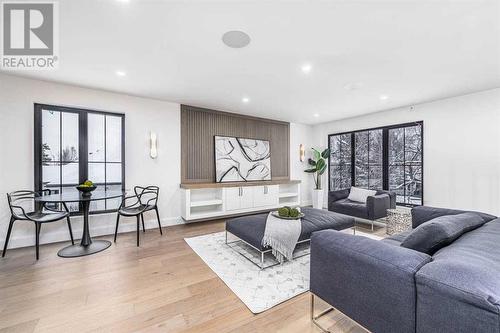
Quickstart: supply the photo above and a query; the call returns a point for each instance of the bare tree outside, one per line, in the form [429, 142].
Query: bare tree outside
[404, 172]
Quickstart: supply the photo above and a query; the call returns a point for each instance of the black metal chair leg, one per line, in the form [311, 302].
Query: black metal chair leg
[142, 218]
[12, 219]
[116, 228]
[70, 231]
[159, 223]
[38, 226]
[138, 229]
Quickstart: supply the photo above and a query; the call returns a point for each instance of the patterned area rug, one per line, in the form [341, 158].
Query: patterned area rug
[258, 289]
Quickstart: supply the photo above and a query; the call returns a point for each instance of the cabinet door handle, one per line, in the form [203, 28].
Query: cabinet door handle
[265, 189]
[241, 191]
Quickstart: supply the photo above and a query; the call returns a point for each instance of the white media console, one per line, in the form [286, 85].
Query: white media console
[212, 200]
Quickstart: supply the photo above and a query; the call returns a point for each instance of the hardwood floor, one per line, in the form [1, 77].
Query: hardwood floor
[162, 286]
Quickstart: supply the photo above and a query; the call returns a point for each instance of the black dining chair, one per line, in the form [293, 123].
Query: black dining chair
[24, 208]
[146, 199]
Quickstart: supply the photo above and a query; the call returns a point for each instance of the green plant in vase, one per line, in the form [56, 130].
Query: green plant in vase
[317, 168]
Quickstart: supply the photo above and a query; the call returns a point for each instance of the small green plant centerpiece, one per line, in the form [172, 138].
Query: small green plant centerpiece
[86, 188]
[288, 213]
[317, 167]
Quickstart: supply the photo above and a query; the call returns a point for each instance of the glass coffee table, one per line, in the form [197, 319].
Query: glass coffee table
[87, 246]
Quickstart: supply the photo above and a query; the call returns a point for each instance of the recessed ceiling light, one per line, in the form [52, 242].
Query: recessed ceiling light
[245, 99]
[383, 97]
[316, 115]
[306, 68]
[120, 73]
[236, 39]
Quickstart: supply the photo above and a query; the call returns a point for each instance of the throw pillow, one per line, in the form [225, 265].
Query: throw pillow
[431, 236]
[360, 194]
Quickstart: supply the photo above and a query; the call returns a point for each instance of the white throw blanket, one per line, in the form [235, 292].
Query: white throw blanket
[282, 236]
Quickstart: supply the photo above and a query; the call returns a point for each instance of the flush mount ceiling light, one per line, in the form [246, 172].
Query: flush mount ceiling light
[306, 68]
[120, 73]
[236, 39]
[383, 97]
[315, 115]
[245, 99]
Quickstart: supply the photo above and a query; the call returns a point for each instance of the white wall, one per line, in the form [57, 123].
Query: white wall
[17, 96]
[301, 134]
[461, 147]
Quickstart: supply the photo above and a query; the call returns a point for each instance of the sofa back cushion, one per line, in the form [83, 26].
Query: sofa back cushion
[360, 194]
[423, 214]
[459, 291]
[437, 233]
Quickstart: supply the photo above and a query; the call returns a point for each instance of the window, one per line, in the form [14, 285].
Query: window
[73, 145]
[405, 164]
[389, 158]
[368, 159]
[340, 161]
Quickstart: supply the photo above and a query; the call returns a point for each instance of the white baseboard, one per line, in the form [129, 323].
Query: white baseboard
[99, 228]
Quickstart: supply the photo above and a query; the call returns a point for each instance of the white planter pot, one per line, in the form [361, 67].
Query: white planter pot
[317, 199]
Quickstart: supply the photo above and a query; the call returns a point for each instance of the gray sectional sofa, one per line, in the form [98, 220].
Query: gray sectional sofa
[389, 288]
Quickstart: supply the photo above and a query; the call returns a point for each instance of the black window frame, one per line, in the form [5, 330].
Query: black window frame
[83, 161]
[385, 155]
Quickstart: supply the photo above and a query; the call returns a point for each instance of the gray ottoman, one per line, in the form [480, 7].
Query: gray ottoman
[250, 229]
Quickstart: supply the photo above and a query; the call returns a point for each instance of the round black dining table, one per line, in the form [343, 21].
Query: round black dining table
[87, 246]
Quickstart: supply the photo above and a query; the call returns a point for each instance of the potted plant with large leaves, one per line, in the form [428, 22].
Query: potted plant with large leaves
[317, 168]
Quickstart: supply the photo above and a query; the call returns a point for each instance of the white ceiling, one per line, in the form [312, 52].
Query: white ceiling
[409, 51]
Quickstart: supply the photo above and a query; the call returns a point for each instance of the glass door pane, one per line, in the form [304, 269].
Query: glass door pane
[60, 150]
[405, 164]
[340, 161]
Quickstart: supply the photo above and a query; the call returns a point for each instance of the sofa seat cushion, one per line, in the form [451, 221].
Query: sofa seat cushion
[397, 239]
[463, 283]
[435, 234]
[348, 207]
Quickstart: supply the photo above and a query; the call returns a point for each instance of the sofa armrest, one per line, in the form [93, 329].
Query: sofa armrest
[337, 195]
[378, 205]
[370, 281]
[392, 196]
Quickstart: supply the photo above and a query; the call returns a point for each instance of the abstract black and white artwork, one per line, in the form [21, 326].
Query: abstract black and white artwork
[239, 159]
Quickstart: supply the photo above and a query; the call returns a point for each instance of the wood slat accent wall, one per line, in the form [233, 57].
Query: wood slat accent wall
[199, 126]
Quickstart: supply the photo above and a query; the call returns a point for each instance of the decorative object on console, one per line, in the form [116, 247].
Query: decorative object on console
[153, 141]
[302, 153]
[318, 168]
[239, 159]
